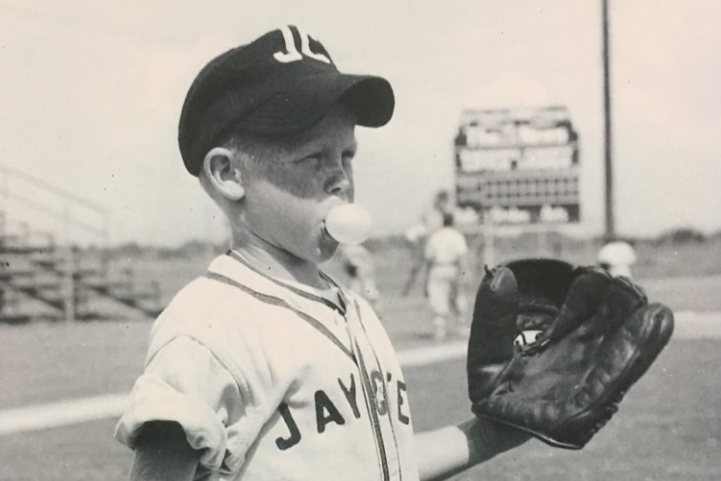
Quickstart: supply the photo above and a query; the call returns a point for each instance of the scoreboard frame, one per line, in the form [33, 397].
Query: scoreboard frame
[518, 166]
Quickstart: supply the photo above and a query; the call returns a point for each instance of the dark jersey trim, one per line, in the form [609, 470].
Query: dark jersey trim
[341, 309]
[276, 301]
[373, 411]
[385, 390]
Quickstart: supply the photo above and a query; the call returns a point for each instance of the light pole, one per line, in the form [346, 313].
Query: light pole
[608, 144]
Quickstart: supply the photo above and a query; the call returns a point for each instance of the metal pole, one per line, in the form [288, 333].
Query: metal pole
[608, 144]
[69, 284]
[4, 199]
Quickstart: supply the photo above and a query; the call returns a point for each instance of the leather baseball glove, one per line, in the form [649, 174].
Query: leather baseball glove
[593, 337]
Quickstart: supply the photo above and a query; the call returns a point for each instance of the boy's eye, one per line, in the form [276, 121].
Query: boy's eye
[311, 160]
[348, 158]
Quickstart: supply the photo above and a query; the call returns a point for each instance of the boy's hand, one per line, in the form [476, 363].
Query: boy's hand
[163, 454]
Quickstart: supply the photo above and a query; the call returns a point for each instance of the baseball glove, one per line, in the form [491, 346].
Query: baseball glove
[596, 336]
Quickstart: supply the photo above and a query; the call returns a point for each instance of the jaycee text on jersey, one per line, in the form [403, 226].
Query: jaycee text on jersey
[327, 413]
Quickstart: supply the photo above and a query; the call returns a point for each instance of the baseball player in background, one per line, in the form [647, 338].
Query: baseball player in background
[417, 235]
[431, 220]
[265, 368]
[617, 257]
[446, 276]
[359, 265]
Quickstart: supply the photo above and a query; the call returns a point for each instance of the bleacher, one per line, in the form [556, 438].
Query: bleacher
[42, 278]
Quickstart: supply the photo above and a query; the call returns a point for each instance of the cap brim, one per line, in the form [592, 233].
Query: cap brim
[305, 104]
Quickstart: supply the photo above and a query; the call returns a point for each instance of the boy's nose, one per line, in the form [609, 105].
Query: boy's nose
[339, 180]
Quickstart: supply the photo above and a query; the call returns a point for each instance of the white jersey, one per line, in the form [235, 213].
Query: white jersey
[271, 382]
[445, 247]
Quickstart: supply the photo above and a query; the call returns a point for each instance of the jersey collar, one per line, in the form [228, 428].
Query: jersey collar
[236, 268]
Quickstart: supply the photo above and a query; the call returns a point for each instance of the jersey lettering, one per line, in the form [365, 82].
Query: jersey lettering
[291, 53]
[325, 411]
[379, 392]
[402, 396]
[294, 437]
[350, 395]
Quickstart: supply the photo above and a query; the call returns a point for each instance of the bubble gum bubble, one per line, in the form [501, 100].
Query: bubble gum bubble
[348, 223]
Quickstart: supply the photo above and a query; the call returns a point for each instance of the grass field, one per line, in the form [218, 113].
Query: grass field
[668, 428]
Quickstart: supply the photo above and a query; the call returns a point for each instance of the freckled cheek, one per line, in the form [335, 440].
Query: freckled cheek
[302, 186]
[283, 216]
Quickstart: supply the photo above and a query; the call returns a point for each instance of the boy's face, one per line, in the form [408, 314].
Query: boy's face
[289, 192]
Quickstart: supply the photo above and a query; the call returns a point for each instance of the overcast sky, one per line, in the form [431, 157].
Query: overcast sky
[90, 94]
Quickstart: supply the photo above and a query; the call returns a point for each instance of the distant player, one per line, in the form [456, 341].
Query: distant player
[446, 276]
[265, 368]
[431, 220]
[359, 266]
[617, 257]
[417, 235]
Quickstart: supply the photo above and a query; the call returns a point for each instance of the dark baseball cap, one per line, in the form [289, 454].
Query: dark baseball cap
[284, 82]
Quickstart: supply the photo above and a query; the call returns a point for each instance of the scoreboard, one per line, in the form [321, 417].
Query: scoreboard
[518, 166]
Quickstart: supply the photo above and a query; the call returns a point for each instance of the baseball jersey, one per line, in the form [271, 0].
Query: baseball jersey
[272, 382]
[445, 247]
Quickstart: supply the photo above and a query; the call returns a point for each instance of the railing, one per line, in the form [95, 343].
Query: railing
[21, 193]
[42, 260]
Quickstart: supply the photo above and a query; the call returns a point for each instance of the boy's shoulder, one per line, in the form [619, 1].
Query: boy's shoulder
[233, 296]
[224, 282]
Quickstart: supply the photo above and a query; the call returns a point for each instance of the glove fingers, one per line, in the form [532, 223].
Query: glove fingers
[639, 290]
[494, 316]
[493, 328]
[582, 301]
[620, 300]
[636, 345]
[651, 327]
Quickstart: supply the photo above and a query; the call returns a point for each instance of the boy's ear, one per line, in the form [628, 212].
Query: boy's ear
[222, 174]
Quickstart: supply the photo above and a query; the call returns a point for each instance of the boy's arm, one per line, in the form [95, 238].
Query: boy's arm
[162, 453]
[452, 449]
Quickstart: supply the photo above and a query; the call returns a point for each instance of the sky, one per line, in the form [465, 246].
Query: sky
[90, 94]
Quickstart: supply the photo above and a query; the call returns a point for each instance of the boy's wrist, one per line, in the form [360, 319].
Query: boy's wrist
[487, 439]
[478, 444]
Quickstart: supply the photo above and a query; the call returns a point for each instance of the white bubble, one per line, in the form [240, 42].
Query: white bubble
[348, 223]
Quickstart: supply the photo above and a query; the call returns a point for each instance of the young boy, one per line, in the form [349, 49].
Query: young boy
[264, 368]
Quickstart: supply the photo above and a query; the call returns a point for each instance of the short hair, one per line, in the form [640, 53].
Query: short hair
[242, 146]
[252, 145]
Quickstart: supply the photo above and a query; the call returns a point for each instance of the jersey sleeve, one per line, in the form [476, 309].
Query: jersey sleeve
[185, 383]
